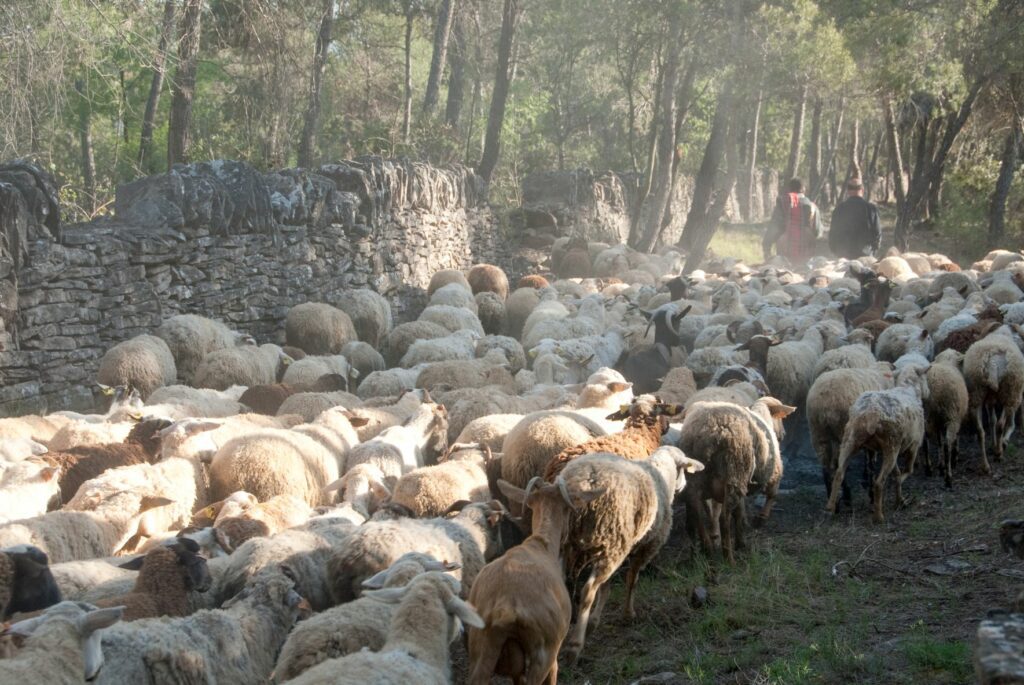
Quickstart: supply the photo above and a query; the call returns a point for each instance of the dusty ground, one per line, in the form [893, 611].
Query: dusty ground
[822, 600]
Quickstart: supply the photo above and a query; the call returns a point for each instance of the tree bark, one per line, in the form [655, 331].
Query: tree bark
[830, 153]
[853, 170]
[816, 176]
[184, 85]
[750, 172]
[85, 142]
[456, 73]
[705, 211]
[502, 82]
[869, 185]
[895, 154]
[156, 86]
[442, 33]
[307, 143]
[653, 210]
[997, 205]
[795, 142]
[683, 102]
[407, 110]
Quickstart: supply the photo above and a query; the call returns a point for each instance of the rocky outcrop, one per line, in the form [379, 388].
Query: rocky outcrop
[223, 240]
[999, 659]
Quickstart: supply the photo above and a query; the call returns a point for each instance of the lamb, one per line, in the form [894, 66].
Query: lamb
[646, 421]
[429, 491]
[246, 365]
[452, 318]
[416, 650]
[242, 516]
[166, 576]
[318, 328]
[490, 309]
[144, 363]
[994, 371]
[62, 645]
[190, 338]
[26, 582]
[739, 449]
[445, 277]
[521, 596]
[308, 371]
[488, 431]
[890, 422]
[192, 648]
[828, 411]
[346, 629]
[478, 534]
[945, 409]
[398, 341]
[28, 488]
[369, 312]
[901, 338]
[488, 278]
[363, 358]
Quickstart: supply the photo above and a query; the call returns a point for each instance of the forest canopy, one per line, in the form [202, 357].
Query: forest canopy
[924, 99]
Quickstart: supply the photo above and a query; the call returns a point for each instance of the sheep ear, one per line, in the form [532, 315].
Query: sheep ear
[743, 347]
[99, 619]
[451, 565]
[134, 564]
[511, 491]
[49, 473]
[621, 414]
[335, 486]
[618, 386]
[150, 502]
[379, 489]
[778, 410]
[376, 581]
[466, 613]
[456, 506]
[924, 334]
[26, 627]
[390, 595]
[775, 341]
[106, 389]
[691, 465]
[673, 409]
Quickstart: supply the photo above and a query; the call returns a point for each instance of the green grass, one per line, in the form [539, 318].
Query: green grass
[937, 660]
[739, 242]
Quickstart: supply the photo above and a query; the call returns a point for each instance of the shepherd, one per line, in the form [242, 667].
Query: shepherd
[795, 225]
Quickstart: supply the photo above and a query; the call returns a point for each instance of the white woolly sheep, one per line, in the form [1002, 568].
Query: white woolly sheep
[318, 328]
[190, 338]
[459, 345]
[454, 295]
[490, 309]
[518, 307]
[513, 350]
[28, 488]
[446, 277]
[144, 363]
[429, 491]
[196, 402]
[994, 371]
[400, 339]
[452, 318]
[363, 358]
[247, 365]
[537, 438]
[900, 339]
[369, 312]
[305, 372]
[489, 431]
[945, 410]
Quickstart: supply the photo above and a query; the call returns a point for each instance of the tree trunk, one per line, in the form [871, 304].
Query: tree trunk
[750, 172]
[445, 16]
[647, 181]
[830, 153]
[456, 73]
[853, 170]
[795, 142]
[307, 143]
[184, 85]
[407, 110]
[85, 141]
[816, 176]
[683, 102]
[654, 208]
[895, 155]
[873, 165]
[705, 211]
[155, 86]
[916, 196]
[997, 205]
[502, 82]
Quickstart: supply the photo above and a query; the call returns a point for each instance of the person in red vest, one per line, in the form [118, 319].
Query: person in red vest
[795, 225]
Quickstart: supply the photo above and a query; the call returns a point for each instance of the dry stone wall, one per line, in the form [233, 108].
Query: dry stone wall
[226, 241]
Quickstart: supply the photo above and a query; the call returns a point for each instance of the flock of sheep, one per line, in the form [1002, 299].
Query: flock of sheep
[334, 509]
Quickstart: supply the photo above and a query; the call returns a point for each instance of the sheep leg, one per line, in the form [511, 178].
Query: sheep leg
[715, 508]
[740, 517]
[837, 478]
[946, 454]
[484, 652]
[577, 635]
[637, 562]
[888, 464]
[997, 436]
[696, 523]
[980, 427]
[926, 447]
[771, 491]
[602, 597]
[729, 524]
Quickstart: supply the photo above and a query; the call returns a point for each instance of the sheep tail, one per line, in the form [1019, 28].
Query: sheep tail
[995, 369]
[870, 422]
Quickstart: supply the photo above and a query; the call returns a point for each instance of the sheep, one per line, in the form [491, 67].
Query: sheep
[646, 420]
[387, 412]
[961, 339]
[17, 449]
[192, 648]
[61, 646]
[26, 582]
[895, 268]
[398, 341]
[429, 491]
[309, 370]
[246, 365]
[537, 438]
[242, 516]
[467, 373]
[856, 355]
[535, 281]
[144, 363]
[476, 535]
[512, 349]
[80, 464]
[678, 386]
[945, 409]
[454, 295]
[363, 488]
[389, 383]
[518, 307]
[28, 488]
[901, 338]
[166, 576]
[828, 411]
[190, 338]
[488, 278]
[459, 345]
[416, 649]
[892, 423]
[196, 402]
[78, 433]
[199, 439]
[488, 431]
[446, 277]
[735, 392]
[521, 596]
[363, 358]
[994, 371]
[490, 309]
[369, 312]
[309, 405]
[318, 328]
[452, 318]
[400, 449]
[787, 367]
[346, 629]
[739, 449]
[40, 429]
[77, 579]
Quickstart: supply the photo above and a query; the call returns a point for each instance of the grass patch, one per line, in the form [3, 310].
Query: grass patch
[939, 660]
[738, 241]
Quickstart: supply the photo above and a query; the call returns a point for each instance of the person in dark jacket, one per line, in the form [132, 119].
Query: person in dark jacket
[794, 226]
[856, 231]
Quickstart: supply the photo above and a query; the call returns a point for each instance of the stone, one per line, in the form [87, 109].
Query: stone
[999, 658]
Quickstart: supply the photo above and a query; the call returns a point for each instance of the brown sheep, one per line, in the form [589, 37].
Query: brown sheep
[575, 264]
[962, 338]
[445, 277]
[488, 278]
[166, 576]
[85, 462]
[646, 421]
[267, 399]
[875, 327]
[533, 281]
